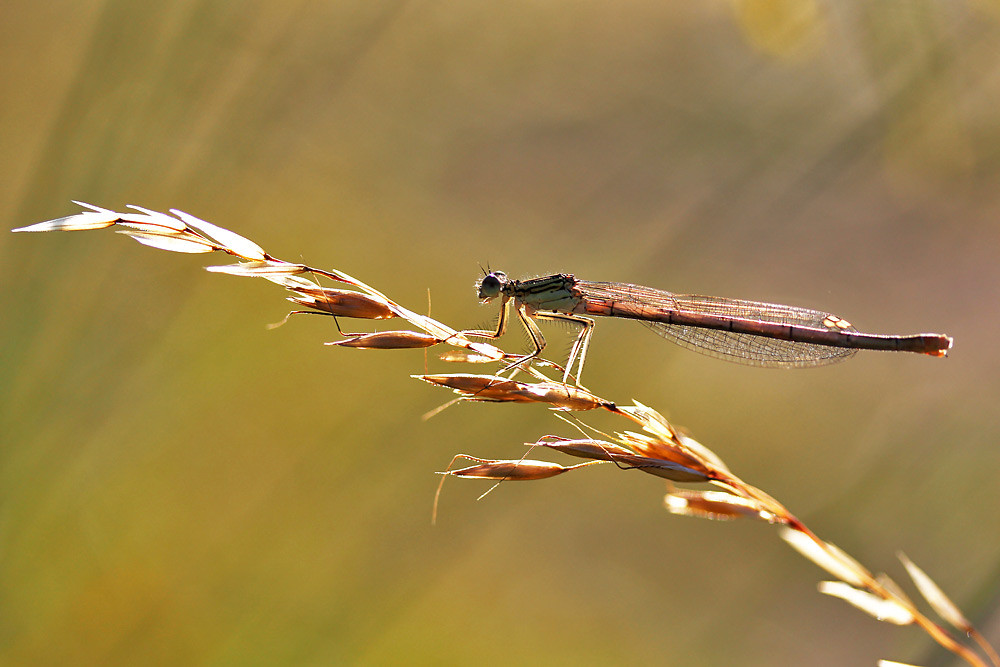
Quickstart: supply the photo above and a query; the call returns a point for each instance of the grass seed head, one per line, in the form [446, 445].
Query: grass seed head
[268, 269]
[718, 505]
[479, 387]
[661, 468]
[940, 602]
[513, 470]
[888, 610]
[667, 450]
[232, 242]
[563, 396]
[827, 556]
[465, 357]
[586, 448]
[499, 389]
[172, 241]
[343, 303]
[388, 340]
[71, 223]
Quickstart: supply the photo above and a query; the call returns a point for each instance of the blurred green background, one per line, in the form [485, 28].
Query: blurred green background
[180, 485]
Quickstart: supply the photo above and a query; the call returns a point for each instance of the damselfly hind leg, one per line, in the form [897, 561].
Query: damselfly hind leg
[578, 353]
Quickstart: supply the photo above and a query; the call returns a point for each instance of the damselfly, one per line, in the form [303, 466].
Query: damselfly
[747, 332]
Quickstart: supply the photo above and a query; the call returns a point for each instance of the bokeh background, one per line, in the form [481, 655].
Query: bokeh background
[180, 485]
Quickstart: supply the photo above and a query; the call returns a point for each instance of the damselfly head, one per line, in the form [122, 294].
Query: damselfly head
[492, 285]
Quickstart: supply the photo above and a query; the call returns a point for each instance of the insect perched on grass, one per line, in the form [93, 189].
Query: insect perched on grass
[747, 332]
[750, 332]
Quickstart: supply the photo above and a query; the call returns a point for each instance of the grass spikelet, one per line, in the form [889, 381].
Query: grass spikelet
[514, 470]
[343, 303]
[388, 340]
[260, 269]
[717, 505]
[498, 389]
[233, 242]
[171, 242]
[827, 556]
[883, 609]
[70, 223]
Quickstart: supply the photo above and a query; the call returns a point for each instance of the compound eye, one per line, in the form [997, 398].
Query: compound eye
[491, 286]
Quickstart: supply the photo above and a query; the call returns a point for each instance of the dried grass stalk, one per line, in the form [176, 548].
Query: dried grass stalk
[660, 449]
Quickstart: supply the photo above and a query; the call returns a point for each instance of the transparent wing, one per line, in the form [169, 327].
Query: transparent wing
[744, 348]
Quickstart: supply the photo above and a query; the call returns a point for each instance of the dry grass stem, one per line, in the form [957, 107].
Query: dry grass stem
[659, 449]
